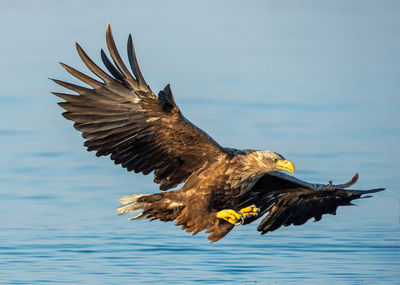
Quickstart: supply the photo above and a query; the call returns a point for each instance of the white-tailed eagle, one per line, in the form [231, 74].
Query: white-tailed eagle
[120, 116]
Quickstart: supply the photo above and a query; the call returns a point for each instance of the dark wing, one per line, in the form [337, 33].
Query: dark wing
[122, 117]
[287, 200]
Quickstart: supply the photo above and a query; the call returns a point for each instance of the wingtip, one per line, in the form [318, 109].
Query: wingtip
[63, 65]
[354, 179]
[108, 30]
[133, 61]
[363, 192]
[350, 183]
[378, 190]
[167, 89]
[78, 47]
[56, 80]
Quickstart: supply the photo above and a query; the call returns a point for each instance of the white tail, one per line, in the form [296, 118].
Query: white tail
[130, 204]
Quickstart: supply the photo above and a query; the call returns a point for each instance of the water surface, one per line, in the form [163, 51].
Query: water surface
[318, 84]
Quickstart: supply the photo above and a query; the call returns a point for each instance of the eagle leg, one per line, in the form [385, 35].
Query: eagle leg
[237, 217]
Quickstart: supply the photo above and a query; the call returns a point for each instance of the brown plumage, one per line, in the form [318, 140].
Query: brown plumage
[120, 116]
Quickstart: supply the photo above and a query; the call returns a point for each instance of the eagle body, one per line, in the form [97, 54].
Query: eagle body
[119, 116]
[232, 175]
[210, 189]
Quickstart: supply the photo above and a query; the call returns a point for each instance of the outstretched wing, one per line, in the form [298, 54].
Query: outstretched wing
[122, 117]
[287, 200]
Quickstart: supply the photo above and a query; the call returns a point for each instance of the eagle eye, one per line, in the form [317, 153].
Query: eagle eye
[274, 160]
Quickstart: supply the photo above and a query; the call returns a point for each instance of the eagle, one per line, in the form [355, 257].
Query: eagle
[120, 116]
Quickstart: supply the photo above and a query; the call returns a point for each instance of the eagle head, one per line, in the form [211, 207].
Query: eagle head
[269, 161]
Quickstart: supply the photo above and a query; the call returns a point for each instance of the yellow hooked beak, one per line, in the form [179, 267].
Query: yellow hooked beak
[284, 165]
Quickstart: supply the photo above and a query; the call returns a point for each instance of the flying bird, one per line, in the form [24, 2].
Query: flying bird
[120, 116]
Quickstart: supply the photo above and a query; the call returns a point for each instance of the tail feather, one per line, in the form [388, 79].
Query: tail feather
[130, 204]
[162, 206]
[169, 206]
[137, 217]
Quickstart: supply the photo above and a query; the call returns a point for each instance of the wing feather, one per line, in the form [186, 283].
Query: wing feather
[82, 77]
[122, 117]
[112, 48]
[290, 201]
[92, 66]
[111, 68]
[133, 61]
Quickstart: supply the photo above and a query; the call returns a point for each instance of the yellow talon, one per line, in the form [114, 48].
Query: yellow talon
[237, 218]
[249, 211]
[231, 216]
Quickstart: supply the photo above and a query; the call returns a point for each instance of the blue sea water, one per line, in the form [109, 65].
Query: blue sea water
[318, 82]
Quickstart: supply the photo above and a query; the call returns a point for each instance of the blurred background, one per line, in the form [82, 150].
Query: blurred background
[316, 81]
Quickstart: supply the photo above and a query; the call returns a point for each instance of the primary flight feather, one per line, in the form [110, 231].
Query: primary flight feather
[120, 116]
